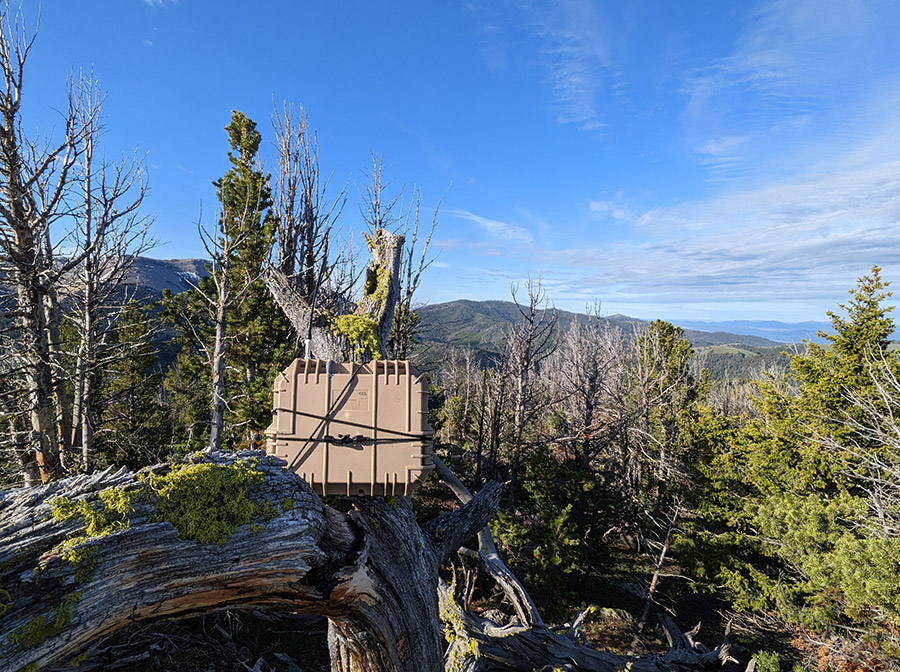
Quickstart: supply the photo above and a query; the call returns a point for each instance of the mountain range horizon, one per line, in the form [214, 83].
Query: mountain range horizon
[177, 275]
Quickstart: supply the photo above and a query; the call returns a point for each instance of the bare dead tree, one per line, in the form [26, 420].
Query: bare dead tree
[475, 415]
[112, 235]
[732, 397]
[220, 245]
[658, 565]
[305, 214]
[359, 330]
[871, 456]
[528, 343]
[587, 376]
[412, 264]
[378, 209]
[35, 177]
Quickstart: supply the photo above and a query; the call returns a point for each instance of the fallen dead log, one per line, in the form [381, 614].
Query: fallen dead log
[479, 644]
[86, 556]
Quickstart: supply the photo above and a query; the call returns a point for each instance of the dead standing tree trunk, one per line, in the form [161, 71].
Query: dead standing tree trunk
[341, 338]
[83, 557]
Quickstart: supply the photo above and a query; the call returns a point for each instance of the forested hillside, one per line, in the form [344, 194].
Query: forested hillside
[447, 330]
[777, 497]
[637, 470]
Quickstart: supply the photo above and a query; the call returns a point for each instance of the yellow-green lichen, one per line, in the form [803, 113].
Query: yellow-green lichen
[206, 502]
[41, 628]
[79, 555]
[111, 515]
[361, 331]
[79, 659]
[117, 504]
[378, 285]
[461, 648]
[31, 667]
[287, 504]
[5, 602]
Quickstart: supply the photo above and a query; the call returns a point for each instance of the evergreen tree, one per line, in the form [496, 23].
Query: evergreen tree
[253, 335]
[135, 427]
[187, 382]
[787, 517]
[828, 374]
[257, 332]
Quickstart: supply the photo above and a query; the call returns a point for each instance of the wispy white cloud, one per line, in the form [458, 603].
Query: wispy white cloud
[800, 243]
[160, 3]
[497, 230]
[609, 208]
[570, 52]
[788, 50]
[148, 43]
[720, 149]
[795, 87]
[578, 59]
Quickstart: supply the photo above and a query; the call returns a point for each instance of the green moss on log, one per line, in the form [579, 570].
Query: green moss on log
[41, 628]
[207, 502]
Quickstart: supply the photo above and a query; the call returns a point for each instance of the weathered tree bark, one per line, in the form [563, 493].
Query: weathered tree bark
[325, 343]
[380, 294]
[217, 357]
[382, 288]
[373, 572]
[34, 177]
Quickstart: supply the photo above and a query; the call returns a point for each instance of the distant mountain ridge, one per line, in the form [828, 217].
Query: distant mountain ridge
[476, 323]
[482, 326]
[176, 275]
[780, 332]
[480, 323]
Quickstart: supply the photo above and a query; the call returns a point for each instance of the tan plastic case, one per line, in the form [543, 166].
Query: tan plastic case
[353, 429]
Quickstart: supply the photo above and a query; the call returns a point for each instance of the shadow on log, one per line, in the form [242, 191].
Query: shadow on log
[86, 556]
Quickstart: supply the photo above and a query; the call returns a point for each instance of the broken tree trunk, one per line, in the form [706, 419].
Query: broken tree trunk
[363, 334]
[85, 556]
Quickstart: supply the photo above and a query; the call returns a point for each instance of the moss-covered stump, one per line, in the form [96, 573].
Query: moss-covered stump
[361, 332]
[82, 557]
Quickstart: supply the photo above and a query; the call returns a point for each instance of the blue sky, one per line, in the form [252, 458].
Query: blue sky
[677, 160]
